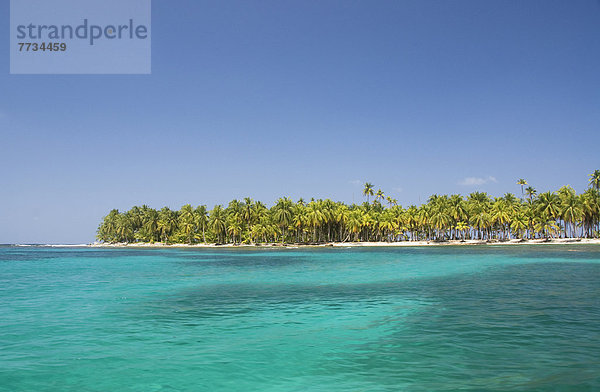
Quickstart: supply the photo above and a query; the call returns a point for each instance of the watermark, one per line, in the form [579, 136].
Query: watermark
[80, 36]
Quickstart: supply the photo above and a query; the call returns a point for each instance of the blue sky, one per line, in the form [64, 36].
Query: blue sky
[302, 99]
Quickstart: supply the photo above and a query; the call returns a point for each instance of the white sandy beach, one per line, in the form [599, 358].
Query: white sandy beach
[556, 241]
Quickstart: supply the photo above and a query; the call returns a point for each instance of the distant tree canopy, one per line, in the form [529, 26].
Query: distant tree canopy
[478, 216]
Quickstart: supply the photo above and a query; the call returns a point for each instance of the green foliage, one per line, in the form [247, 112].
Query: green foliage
[478, 216]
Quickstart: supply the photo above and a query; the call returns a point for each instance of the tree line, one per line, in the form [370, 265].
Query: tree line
[562, 213]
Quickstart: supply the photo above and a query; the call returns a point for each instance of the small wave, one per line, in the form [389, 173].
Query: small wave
[67, 245]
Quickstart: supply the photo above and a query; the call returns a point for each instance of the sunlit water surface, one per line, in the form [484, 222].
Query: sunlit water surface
[498, 318]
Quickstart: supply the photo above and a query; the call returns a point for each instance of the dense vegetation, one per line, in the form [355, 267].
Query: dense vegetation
[478, 216]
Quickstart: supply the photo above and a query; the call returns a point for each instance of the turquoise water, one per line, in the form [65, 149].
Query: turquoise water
[502, 318]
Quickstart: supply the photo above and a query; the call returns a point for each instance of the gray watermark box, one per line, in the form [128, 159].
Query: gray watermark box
[80, 37]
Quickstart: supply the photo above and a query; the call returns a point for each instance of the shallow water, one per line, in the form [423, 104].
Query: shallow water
[497, 318]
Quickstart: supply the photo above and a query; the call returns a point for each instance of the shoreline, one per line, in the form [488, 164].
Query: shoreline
[557, 241]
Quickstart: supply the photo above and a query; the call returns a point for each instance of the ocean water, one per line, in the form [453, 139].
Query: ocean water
[496, 318]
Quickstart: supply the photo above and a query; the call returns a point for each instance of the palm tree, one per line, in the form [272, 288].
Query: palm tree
[595, 180]
[107, 231]
[547, 227]
[248, 215]
[167, 223]
[368, 191]
[590, 201]
[150, 225]
[500, 215]
[328, 210]
[201, 218]
[519, 224]
[510, 200]
[462, 227]
[187, 222]
[476, 216]
[341, 218]
[391, 201]
[124, 228]
[379, 195]
[530, 191]
[283, 214]
[571, 212]
[299, 221]
[549, 205]
[522, 182]
[356, 221]
[314, 217]
[458, 209]
[217, 222]
[440, 219]
[234, 227]
[388, 225]
[135, 216]
[424, 220]
[480, 221]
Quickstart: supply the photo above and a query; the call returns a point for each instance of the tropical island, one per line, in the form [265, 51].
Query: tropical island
[476, 218]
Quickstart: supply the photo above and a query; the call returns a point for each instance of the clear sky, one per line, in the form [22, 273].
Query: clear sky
[306, 99]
